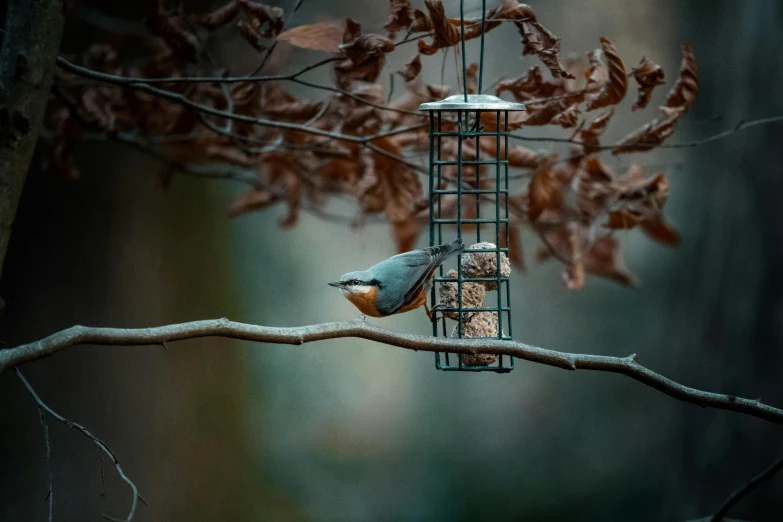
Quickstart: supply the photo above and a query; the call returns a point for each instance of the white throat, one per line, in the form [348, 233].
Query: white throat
[355, 290]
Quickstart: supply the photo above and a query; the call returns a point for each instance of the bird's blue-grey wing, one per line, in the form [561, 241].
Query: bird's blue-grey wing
[404, 275]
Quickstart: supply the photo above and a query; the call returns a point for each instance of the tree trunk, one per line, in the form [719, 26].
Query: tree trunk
[30, 44]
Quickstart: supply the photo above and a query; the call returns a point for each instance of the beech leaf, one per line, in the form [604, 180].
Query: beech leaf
[445, 34]
[679, 101]
[412, 69]
[323, 36]
[614, 88]
[648, 75]
[399, 16]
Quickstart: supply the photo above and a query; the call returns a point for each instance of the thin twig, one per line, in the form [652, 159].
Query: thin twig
[627, 366]
[184, 100]
[103, 478]
[102, 445]
[271, 49]
[603, 148]
[358, 98]
[45, 427]
[746, 489]
[742, 124]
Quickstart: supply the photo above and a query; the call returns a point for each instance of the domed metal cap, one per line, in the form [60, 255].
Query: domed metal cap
[476, 102]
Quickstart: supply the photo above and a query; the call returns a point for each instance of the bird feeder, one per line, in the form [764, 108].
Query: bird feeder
[468, 191]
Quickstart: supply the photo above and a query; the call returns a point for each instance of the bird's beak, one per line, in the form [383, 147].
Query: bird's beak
[336, 284]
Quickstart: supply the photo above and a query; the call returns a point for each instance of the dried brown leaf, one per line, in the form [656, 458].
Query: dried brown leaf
[472, 78]
[613, 90]
[648, 75]
[406, 233]
[594, 187]
[283, 177]
[519, 156]
[546, 100]
[531, 86]
[363, 48]
[346, 71]
[339, 175]
[545, 192]
[445, 34]
[661, 230]
[221, 16]
[251, 201]
[536, 38]
[604, 260]
[97, 105]
[650, 135]
[679, 101]
[284, 106]
[574, 273]
[101, 57]
[508, 10]
[172, 30]
[491, 122]
[600, 257]
[268, 21]
[515, 252]
[590, 135]
[412, 69]
[229, 154]
[322, 36]
[388, 185]
[251, 35]
[640, 201]
[683, 93]
[421, 22]
[399, 16]
[568, 118]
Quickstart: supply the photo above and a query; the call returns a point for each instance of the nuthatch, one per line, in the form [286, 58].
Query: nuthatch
[398, 284]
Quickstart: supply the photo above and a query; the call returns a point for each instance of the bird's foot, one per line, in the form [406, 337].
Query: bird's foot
[362, 318]
[432, 313]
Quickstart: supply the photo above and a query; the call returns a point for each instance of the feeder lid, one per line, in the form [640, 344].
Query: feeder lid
[476, 102]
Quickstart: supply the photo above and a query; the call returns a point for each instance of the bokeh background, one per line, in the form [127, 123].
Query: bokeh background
[351, 431]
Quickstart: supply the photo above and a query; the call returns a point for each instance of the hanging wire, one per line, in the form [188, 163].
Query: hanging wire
[481, 56]
[464, 65]
[464, 55]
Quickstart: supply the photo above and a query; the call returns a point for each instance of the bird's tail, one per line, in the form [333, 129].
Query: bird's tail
[455, 247]
[441, 252]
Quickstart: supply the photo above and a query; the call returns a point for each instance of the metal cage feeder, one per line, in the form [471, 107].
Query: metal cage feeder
[479, 204]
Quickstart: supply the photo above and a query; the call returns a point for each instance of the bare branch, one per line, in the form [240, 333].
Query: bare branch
[45, 428]
[361, 329]
[269, 51]
[102, 445]
[695, 143]
[184, 100]
[747, 488]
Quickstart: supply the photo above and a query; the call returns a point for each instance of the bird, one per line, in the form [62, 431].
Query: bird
[398, 284]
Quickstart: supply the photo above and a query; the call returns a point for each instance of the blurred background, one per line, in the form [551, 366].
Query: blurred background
[349, 430]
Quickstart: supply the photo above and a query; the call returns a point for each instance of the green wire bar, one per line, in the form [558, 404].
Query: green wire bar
[480, 205]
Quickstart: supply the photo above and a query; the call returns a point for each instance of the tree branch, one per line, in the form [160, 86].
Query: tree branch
[359, 328]
[98, 442]
[747, 488]
[742, 124]
[45, 428]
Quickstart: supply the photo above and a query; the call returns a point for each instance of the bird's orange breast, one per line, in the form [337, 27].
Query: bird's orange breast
[365, 301]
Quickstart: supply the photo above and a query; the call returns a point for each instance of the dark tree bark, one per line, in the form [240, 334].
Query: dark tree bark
[30, 44]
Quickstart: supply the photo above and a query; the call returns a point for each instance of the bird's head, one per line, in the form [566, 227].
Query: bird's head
[355, 283]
